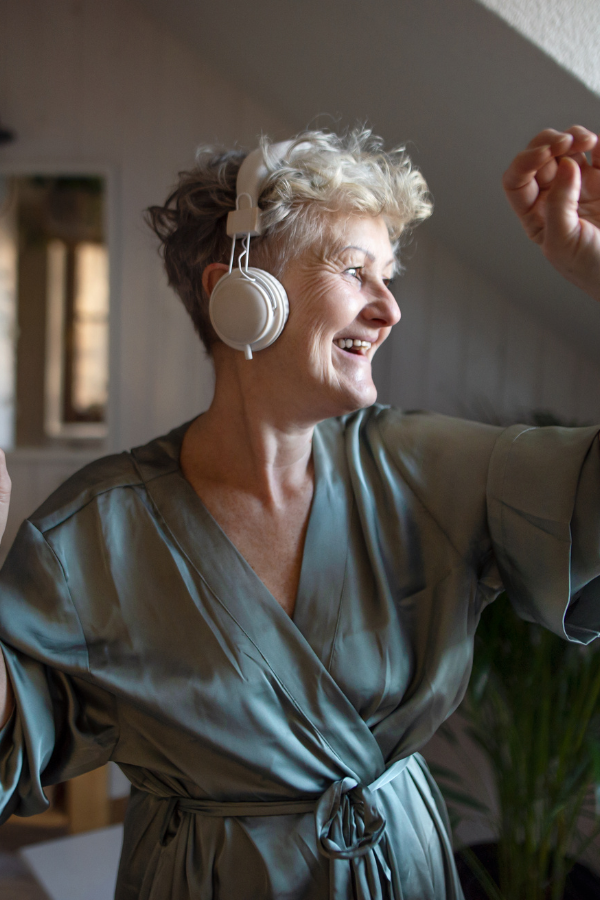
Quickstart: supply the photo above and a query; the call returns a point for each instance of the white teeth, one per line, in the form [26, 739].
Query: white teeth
[347, 343]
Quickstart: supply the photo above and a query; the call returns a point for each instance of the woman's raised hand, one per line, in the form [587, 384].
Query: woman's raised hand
[555, 191]
[4, 493]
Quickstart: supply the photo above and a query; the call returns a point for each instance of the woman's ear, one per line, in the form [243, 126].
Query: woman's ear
[211, 275]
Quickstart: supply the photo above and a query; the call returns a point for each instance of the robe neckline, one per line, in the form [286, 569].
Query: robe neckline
[298, 650]
[332, 503]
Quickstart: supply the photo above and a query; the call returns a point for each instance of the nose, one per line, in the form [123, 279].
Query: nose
[383, 309]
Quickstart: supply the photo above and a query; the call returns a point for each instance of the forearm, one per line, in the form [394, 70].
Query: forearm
[7, 699]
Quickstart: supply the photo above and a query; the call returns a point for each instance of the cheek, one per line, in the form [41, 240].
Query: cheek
[313, 322]
[318, 346]
[318, 301]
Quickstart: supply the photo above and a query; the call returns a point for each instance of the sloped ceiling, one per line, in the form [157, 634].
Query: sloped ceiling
[449, 77]
[568, 30]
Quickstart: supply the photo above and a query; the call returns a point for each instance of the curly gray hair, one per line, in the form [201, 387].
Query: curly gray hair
[321, 176]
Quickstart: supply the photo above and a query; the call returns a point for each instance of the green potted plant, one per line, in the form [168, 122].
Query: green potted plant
[533, 707]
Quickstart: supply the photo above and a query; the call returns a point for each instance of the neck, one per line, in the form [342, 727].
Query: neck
[251, 438]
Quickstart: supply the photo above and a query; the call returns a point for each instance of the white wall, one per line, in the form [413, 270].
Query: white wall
[101, 84]
[463, 348]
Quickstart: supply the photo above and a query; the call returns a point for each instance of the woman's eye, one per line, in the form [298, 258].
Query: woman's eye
[388, 282]
[354, 272]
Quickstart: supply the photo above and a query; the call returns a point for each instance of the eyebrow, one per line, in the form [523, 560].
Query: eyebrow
[368, 254]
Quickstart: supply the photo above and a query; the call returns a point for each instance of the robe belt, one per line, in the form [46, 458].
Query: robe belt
[348, 822]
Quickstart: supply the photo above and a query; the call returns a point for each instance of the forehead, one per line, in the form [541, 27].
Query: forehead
[366, 235]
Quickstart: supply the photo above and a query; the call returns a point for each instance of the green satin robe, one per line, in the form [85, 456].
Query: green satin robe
[273, 757]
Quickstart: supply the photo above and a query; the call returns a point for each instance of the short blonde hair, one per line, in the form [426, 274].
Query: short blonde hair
[321, 176]
[325, 173]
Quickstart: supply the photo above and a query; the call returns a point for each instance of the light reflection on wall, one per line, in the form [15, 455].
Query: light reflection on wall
[77, 339]
[90, 328]
[55, 313]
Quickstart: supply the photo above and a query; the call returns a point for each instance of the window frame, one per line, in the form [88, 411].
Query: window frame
[110, 175]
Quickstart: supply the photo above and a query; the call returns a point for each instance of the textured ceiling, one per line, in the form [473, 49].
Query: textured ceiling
[568, 30]
[449, 77]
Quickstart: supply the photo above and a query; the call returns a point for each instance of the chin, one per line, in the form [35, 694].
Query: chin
[353, 400]
[339, 396]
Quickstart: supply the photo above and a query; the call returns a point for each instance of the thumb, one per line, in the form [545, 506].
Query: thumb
[5, 486]
[562, 208]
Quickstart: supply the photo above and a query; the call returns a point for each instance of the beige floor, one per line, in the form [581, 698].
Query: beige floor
[16, 881]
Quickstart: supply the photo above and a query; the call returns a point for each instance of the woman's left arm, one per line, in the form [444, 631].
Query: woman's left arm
[6, 693]
[555, 191]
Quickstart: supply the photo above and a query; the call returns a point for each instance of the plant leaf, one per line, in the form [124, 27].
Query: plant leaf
[453, 796]
[443, 773]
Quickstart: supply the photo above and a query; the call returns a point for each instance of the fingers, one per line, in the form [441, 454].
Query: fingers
[5, 483]
[554, 187]
[536, 167]
[562, 204]
[5, 488]
[533, 170]
[550, 137]
[519, 180]
[575, 139]
[584, 140]
[595, 155]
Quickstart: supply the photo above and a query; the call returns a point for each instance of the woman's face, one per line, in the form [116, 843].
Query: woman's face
[334, 302]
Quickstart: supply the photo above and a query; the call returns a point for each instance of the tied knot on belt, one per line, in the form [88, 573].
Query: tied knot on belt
[348, 821]
[349, 826]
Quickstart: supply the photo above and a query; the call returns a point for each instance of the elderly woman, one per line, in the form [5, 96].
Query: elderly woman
[262, 616]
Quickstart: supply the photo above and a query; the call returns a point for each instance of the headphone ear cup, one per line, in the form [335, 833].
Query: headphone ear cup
[248, 311]
[278, 299]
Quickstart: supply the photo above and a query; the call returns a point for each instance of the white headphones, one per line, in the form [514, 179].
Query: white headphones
[249, 307]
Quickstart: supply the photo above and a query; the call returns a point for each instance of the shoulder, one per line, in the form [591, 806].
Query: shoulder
[119, 472]
[413, 432]
[424, 448]
[442, 460]
[97, 478]
[426, 435]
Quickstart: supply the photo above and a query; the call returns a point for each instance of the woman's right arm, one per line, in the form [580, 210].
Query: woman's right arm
[6, 693]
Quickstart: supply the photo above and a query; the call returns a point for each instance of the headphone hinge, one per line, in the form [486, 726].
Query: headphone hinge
[244, 221]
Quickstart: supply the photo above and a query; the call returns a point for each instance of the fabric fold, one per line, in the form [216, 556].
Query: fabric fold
[135, 631]
[348, 823]
[531, 500]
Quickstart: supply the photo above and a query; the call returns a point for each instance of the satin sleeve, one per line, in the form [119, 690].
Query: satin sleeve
[62, 725]
[543, 503]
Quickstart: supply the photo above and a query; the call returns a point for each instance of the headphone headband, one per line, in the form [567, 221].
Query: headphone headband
[249, 308]
[253, 173]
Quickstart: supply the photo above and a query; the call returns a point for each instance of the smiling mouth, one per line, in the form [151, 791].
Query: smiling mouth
[353, 345]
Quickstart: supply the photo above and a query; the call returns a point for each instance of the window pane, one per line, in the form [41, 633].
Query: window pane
[90, 331]
[56, 288]
[62, 300]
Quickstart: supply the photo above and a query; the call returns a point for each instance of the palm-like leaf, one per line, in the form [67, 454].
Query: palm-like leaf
[533, 708]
